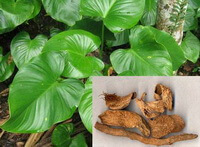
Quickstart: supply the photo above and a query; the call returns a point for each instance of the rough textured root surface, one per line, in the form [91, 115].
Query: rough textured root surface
[180, 124]
[162, 126]
[165, 94]
[135, 136]
[125, 119]
[150, 109]
[116, 102]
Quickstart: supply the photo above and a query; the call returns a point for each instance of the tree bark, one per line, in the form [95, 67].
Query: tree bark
[171, 17]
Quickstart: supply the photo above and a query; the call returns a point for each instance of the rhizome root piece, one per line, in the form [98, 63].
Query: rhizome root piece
[151, 141]
[115, 102]
[125, 119]
[150, 109]
[156, 128]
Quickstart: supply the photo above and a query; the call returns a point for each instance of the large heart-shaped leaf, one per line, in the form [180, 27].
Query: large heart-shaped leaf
[14, 13]
[117, 15]
[66, 11]
[23, 49]
[7, 67]
[191, 47]
[145, 58]
[141, 34]
[150, 13]
[149, 60]
[78, 44]
[85, 106]
[38, 96]
[61, 137]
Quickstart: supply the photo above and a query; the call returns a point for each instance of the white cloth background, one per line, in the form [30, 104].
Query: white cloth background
[186, 91]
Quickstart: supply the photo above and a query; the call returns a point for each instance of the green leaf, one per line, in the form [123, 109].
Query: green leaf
[94, 27]
[23, 49]
[85, 106]
[191, 47]
[14, 13]
[7, 67]
[54, 31]
[198, 13]
[120, 39]
[191, 21]
[78, 141]
[61, 135]
[1, 54]
[145, 58]
[85, 109]
[150, 13]
[117, 15]
[142, 34]
[78, 44]
[66, 11]
[127, 73]
[37, 7]
[194, 3]
[175, 51]
[39, 98]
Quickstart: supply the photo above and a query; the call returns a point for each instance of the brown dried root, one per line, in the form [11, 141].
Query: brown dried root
[150, 109]
[162, 126]
[125, 119]
[164, 93]
[180, 124]
[166, 124]
[135, 136]
[116, 102]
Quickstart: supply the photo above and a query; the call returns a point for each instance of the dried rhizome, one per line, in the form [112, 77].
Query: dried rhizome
[115, 102]
[157, 126]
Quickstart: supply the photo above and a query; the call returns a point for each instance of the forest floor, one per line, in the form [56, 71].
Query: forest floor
[42, 24]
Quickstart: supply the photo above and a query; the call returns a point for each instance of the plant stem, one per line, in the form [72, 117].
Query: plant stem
[102, 41]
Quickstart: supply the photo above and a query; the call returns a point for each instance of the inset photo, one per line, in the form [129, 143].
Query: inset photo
[146, 111]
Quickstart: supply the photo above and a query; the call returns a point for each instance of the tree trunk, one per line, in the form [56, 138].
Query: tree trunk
[171, 17]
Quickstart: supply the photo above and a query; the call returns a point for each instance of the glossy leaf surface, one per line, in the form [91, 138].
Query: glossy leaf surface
[117, 15]
[38, 96]
[77, 44]
[146, 56]
[150, 13]
[85, 107]
[66, 11]
[191, 47]
[14, 13]
[23, 48]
